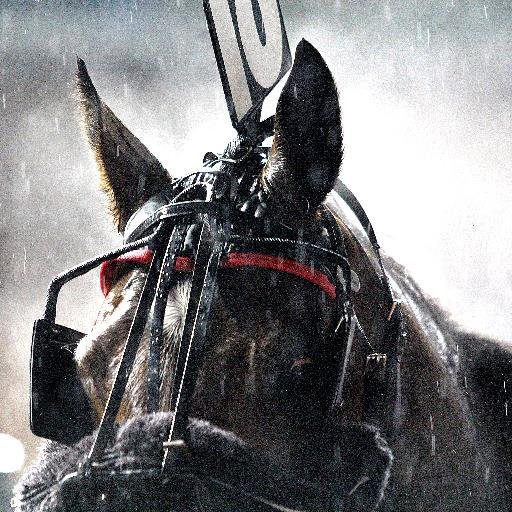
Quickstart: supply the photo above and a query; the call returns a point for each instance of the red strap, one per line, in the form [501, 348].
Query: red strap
[250, 259]
[110, 269]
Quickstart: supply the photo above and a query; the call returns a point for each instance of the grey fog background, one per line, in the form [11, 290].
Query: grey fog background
[426, 92]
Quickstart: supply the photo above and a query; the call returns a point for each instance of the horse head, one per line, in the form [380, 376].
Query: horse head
[222, 346]
[264, 374]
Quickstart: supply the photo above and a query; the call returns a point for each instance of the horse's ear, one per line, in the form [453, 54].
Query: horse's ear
[129, 173]
[307, 151]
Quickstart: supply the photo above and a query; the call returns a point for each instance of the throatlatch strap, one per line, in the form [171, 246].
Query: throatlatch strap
[346, 194]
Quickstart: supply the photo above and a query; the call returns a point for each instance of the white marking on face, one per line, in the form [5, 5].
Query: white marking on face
[176, 309]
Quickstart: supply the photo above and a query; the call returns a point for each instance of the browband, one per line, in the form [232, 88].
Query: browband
[109, 270]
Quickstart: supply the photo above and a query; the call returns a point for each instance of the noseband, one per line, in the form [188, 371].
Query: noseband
[209, 220]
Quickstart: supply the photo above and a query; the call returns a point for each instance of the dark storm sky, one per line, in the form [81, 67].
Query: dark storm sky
[426, 97]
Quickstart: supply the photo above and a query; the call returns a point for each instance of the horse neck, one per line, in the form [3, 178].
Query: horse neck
[435, 415]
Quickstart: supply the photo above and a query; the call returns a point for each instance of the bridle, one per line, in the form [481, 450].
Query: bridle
[209, 220]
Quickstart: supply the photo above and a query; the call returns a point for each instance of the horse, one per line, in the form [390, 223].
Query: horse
[419, 421]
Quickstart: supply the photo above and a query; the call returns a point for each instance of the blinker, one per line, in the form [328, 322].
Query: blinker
[59, 407]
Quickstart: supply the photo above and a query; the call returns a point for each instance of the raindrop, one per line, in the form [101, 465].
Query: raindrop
[337, 453]
[131, 17]
[3, 99]
[24, 260]
[485, 12]
[57, 124]
[431, 423]
[125, 85]
[428, 37]
[410, 473]
[506, 407]
[433, 445]
[387, 12]
[419, 31]
[487, 474]
[63, 59]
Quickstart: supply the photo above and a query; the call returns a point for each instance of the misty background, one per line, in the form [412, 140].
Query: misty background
[425, 90]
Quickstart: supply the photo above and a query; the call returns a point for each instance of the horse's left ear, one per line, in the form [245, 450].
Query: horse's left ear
[307, 151]
[129, 173]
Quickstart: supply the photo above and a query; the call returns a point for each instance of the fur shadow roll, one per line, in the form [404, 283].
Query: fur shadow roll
[221, 472]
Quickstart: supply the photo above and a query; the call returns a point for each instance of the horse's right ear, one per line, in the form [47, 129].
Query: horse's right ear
[306, 155]
[129, 173]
